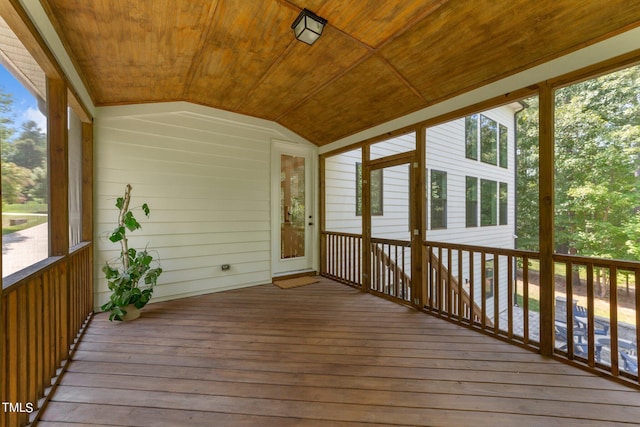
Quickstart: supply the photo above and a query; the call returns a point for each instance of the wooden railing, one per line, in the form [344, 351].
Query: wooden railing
[600, 315]
[42, 314]
[497, 291]
[479, 286]
[390, 271]
[342, 258]
[443, 289]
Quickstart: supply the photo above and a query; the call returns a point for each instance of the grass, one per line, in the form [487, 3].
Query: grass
[28, 207]
[560, 271]
[601, 306]
[28, 210]
[534, 304]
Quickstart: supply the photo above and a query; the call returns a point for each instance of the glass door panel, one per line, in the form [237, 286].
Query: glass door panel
[292, 206]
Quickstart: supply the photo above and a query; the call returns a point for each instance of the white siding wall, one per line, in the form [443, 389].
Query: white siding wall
[340, 175]
[205, 175]
[445, 151]
[340, 193]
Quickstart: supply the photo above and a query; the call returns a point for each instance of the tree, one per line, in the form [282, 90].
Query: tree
[597, 128]
[30, 147]
[597, 162]
[527, 155]
[6, 124]
[14, 180]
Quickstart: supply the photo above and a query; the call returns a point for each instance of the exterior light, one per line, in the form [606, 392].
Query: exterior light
[308, 26]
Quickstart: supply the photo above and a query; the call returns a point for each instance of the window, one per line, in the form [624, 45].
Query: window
[504, 197]
[471, 136]
[488, 278]
[488, 140]
[492, 137]
[376, 191]
[25, 178]
[438, 199]
[503, 142]
[488, 202]
[471, 201]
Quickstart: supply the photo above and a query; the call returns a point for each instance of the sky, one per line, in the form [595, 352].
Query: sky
[25, 105]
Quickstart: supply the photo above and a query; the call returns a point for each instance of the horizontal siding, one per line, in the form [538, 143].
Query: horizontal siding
[206, 177]
[445, 151]
[340, 193]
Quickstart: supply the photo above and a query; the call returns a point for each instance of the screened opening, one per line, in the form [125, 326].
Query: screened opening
[23, 135]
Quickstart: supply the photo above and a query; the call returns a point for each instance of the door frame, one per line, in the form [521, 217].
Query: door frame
[412, 159]
[309, 262]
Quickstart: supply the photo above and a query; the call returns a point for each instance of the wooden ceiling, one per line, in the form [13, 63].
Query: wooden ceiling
[377, 59]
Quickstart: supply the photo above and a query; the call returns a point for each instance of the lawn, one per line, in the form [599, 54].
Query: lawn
[32, 213]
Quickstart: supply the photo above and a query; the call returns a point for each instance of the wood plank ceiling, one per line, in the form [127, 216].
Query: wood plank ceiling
[376, 61]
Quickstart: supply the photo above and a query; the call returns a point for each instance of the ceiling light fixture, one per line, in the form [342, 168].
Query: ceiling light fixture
[308, 26]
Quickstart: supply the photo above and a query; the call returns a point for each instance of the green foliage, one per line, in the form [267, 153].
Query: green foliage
[597, 164]
[133, 279]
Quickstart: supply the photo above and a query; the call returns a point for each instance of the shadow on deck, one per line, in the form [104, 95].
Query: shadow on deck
[322, 354]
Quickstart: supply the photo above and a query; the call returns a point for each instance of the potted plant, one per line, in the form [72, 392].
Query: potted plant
[132, 275]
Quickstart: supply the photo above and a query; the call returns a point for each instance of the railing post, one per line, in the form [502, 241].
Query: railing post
[366, 219]
[546, 207]
[322, 216]
[418, 218]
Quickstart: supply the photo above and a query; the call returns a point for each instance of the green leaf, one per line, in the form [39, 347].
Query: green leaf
[120, 202]
[146, 210]
[117, 235]
[130, 222]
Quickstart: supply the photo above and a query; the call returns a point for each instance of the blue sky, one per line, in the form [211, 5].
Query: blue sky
[25, 106]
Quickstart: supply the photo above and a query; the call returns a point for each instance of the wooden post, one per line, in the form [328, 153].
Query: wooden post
[87, 182]
[418, 218]
[366, 219]
[546, 207]
[58, 168]
[322, 225]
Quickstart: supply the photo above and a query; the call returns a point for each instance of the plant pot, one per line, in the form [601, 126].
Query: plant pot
[132, 313]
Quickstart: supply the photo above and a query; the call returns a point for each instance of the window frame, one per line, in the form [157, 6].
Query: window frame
[377, 204]
[442, 200]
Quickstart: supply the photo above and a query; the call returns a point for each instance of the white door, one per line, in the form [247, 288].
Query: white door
[292, 214]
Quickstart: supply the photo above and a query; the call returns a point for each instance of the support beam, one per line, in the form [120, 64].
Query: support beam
[366, 218]
[87, 182]
[58, 168]
[546, 200]
[418, 218]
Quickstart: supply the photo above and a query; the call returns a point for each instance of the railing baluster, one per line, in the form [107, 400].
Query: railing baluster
[496, 294]
[590, 321]
[525, 301]
[472, 297]
[460, 290]
[510, 302]
[483, 291]
[613, 318]
[570, 308]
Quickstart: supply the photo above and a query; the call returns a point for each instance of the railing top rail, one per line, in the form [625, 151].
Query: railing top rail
[14, 281]
[336, 233]
[598, 262]
[405, 243]
[474, 248]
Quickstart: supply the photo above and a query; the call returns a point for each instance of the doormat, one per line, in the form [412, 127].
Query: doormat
[295, 282]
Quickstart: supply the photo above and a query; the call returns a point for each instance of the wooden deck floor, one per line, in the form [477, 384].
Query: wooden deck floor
[318, 355]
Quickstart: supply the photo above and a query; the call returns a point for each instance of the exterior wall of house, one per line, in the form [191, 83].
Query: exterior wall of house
[205, 174]
[445, 152]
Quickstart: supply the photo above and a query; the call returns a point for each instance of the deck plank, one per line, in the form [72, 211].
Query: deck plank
[322, 354]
